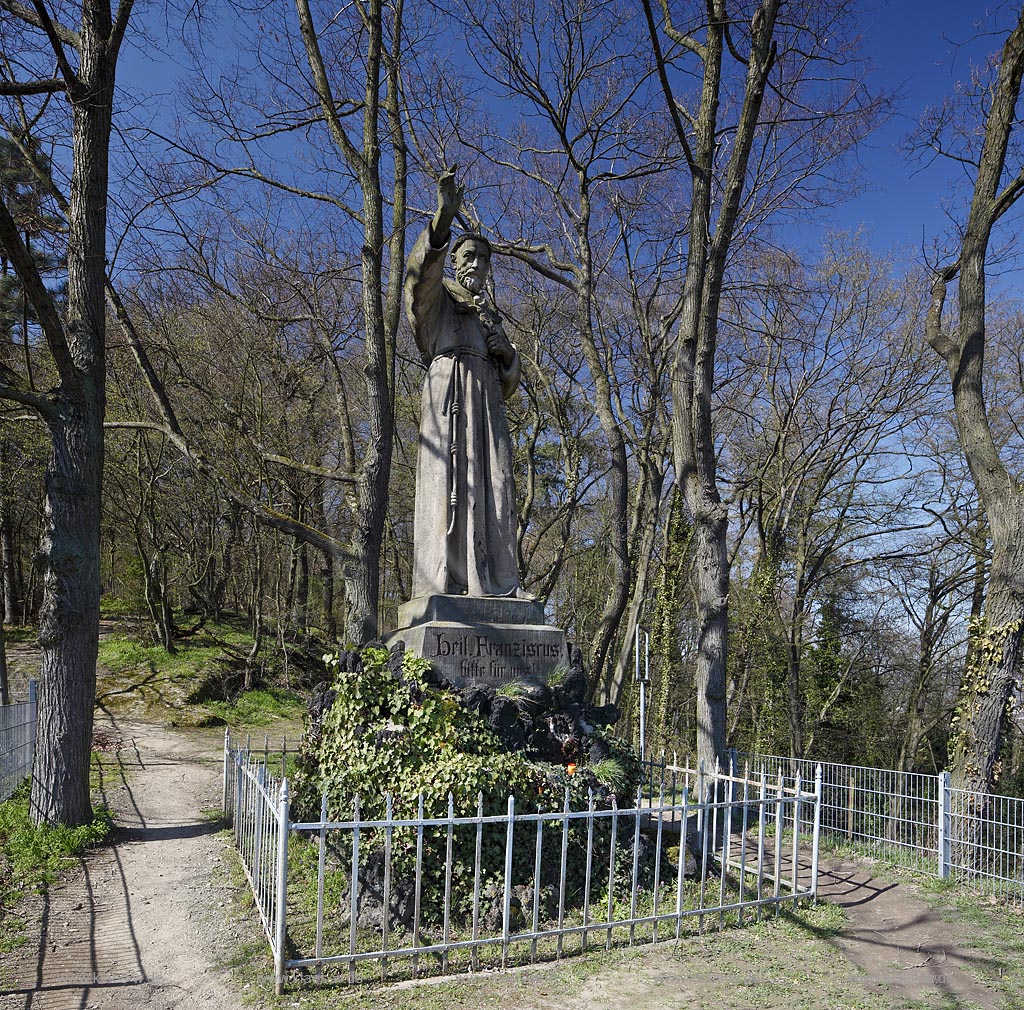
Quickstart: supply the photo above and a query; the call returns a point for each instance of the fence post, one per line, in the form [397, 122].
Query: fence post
[815, 847]
[224, 784]
[237, 813]
[33, 725]
[849, 805]
[944, 825]
[506, 911]
[281, 905]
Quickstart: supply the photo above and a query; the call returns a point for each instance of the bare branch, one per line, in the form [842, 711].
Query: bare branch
[323, 85]
[124, 12]
[29, 16]
[42, 301]
[28, 399]
[934, 333]
[39, 87]
[57, 45]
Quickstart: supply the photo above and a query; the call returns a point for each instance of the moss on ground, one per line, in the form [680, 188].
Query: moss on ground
[199, 684]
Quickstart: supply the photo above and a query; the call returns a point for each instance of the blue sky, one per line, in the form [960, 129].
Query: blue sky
[920, 48]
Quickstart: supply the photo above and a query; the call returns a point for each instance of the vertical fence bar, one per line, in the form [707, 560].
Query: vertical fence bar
[321, 873]
[796, 833]
[589, 865]
[704, 801]
[611, 871]
[353, 887]
[506, 911]
[681, 870]
[657, 860]
[448, 859]
[538, 847]
[726, 841]
[238, 814]
[636, 869]
[562, 872]
[385, 915]
[258, 838]
[944, 825]
[701, 809]
[743, 841]
[762, 813]
[475, 956]
[281, 895]
[779, 814]
[418, 893]
[816, 838]
[224, 784]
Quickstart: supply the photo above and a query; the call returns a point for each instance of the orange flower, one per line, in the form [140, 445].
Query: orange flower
[571, 769]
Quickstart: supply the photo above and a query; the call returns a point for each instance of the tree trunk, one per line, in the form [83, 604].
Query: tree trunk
[990, 680]
[711, 591]
[330, 624]
[709, 239]
[69, 615]
[381, 313]
[989, 683]
[70, 550]
[8, 569]
[5, 687]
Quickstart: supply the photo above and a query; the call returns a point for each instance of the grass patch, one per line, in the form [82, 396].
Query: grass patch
[196, 685]
[32, 858]
[258, 707]
[16, 634]
[990, 927]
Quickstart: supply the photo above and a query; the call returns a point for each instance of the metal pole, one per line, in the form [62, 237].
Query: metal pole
[282, 889]
[506, 909]
[643, 721]
[816, 838]
[643, 678]
[944, 825]
[224, 784]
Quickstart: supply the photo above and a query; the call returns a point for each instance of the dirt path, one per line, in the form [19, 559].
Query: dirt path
[901, 943]
[137, 924]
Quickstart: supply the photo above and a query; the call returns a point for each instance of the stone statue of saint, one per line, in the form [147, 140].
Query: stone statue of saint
[464, 534]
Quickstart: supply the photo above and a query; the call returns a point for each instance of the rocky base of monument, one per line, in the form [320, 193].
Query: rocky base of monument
[394, 731]
[549, 722]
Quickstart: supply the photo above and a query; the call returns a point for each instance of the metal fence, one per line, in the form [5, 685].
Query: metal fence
[911, 819]
[17, 742]
[378, 892]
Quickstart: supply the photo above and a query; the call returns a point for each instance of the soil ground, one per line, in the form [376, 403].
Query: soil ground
[152, 921]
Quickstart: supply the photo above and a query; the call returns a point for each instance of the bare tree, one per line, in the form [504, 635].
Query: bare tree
[749, 149]
[994, 670]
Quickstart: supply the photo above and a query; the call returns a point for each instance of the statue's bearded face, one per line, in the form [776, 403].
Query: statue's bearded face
[472, 261]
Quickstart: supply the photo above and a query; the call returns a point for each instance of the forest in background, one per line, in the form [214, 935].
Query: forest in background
[262, 386]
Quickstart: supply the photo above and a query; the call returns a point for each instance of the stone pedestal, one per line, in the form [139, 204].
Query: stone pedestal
[491, 639]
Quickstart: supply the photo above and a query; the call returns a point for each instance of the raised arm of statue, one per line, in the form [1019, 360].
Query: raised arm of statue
[425, 268]
[449, 202]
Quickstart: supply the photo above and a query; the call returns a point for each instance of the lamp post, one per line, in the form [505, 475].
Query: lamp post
[642, 674]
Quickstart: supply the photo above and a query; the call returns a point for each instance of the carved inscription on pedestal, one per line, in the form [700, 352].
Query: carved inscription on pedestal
[472, 655]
